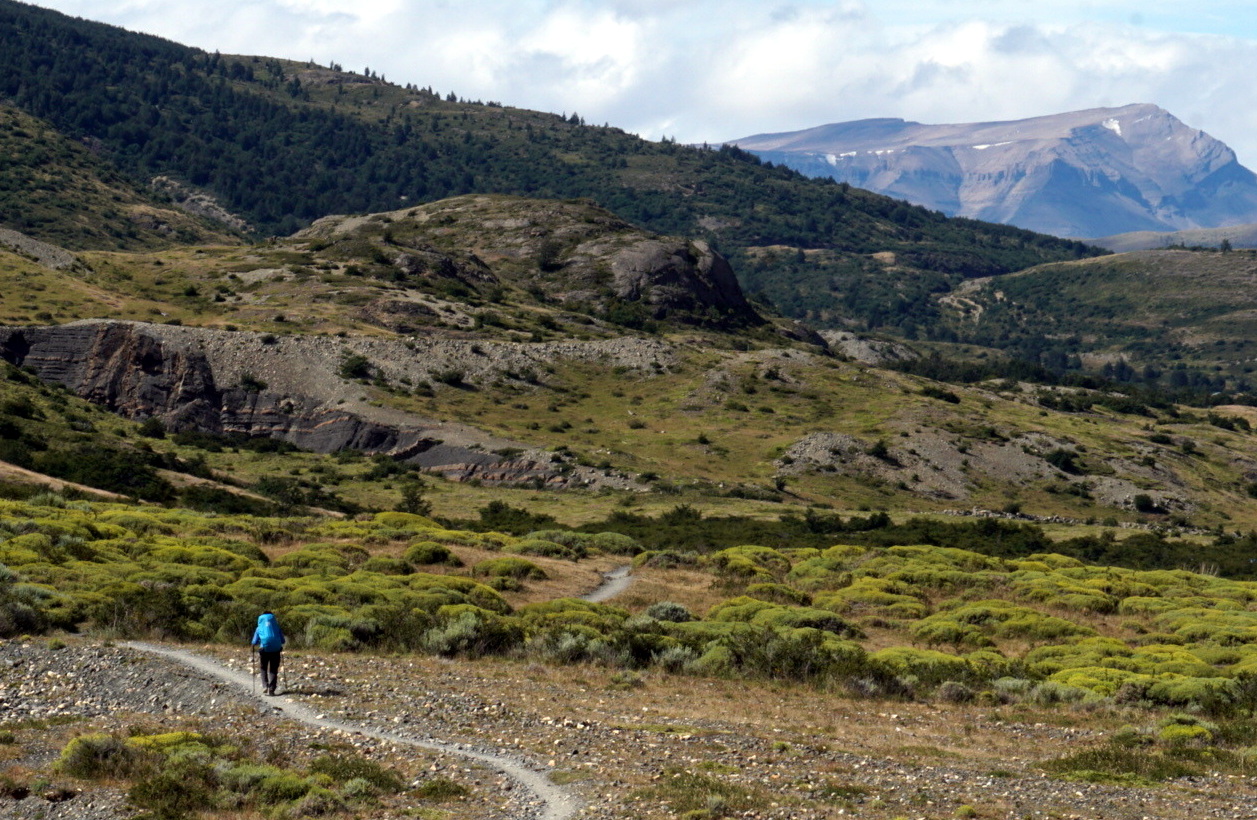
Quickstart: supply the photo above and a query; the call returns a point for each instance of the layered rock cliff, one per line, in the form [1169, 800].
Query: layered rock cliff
[291, 388]
[1083, 174]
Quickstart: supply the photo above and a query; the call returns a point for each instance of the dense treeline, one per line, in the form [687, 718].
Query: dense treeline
[251, 132]
[1117, 386]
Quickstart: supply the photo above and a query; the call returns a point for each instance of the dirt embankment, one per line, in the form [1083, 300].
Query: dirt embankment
[295, 388]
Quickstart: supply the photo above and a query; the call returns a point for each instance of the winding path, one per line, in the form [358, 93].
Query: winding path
[555, 802]
[613, 583]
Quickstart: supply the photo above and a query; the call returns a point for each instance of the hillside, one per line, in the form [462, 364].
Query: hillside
[282, 144]
[1082, 174]
[511, 342]
[497, 355]
[1171, 319]
[63, 192]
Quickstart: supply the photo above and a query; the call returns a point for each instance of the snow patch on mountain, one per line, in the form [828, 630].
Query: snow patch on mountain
[1061, 174]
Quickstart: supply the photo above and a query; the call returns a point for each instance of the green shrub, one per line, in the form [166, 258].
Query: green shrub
[785, 653]
[614, 543]
[779, 593]
[424, 553]
[280, 787]
[387, 566]
[875, 596]
[565, 611]
[1051, 693]
[750, 562]
[441, 789]
[102, 757]
[318, 802]
[669, 611]
[954, 692]
[976, 624]
[463, 629]
[568, 644]
[548, 549]
[665, 559]
[344, 768]
[405, 521]
[510, 568]
[927, 665]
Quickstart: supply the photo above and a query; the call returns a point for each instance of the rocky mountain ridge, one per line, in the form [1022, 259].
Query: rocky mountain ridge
[1081, 174]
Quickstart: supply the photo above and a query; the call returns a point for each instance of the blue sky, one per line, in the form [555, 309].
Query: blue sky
[710, 70]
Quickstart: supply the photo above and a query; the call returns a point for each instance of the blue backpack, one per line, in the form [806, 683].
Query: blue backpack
[268, 637]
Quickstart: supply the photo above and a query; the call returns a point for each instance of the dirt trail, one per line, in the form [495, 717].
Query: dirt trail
[554, 802]
[613, 583]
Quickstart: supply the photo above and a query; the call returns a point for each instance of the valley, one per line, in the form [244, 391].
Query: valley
[910, 515]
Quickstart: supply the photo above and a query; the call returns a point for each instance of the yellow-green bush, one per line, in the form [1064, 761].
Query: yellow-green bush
[750, 562]
[927, 665]
[779, 594]
[509, 567]
[405, 521]
[202, 556]
[1045, 661]
[820, 573]
[560, 611]
[548, 549]
[1059, 590]
[424, 553]
[875, 595]
[976, 624]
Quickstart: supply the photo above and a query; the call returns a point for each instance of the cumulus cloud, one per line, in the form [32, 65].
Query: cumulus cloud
[708, 70]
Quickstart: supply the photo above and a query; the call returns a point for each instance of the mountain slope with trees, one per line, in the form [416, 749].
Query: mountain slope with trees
[284, 143]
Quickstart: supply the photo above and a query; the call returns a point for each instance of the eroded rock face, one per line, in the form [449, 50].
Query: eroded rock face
[572, 253]
[50, 256]
[220, 382]
[671, 276]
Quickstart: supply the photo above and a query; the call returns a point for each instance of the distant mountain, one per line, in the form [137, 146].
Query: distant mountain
[1083, 174]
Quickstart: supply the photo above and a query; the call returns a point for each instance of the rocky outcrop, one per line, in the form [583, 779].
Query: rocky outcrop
[50, 256]
[675, 276]
[572, 253]
[292, 389]
[197, 202]
[874, 352]
[1082, 174]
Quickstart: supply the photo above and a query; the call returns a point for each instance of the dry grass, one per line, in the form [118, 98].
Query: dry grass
[693, 589]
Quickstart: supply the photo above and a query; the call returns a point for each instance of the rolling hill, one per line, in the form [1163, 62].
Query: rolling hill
[281, 144]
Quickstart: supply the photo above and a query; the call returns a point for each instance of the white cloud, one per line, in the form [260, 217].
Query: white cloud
[718, 69]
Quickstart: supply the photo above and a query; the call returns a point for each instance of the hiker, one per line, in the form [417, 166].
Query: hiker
[269, 639]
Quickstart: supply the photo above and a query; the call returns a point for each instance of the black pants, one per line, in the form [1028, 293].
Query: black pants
[270, 669]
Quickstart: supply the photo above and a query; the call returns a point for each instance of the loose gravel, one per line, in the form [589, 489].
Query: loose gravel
[616, 741]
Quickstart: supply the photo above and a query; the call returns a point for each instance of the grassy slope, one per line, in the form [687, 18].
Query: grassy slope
[61, 192]
[1167, 309]
[719, 418]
